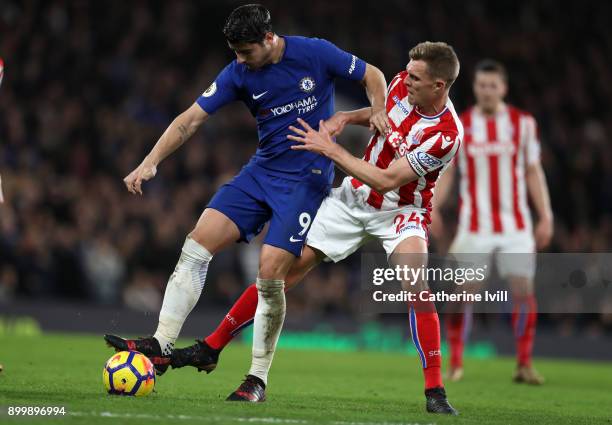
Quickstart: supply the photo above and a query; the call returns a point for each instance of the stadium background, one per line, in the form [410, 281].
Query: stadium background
[90, 86]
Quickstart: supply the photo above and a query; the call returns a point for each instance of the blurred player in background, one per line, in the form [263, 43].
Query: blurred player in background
[1, 77]
[279, 79]
[388, 199]
[1, 194]
[499, 163]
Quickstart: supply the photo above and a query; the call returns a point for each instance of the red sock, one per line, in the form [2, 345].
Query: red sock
[240, 315]
[425, 330]
[524, 318]
[455, 324]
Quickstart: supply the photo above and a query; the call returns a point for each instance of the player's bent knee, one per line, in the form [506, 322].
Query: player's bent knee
[275, 263]
[272, 271]
[214, 231]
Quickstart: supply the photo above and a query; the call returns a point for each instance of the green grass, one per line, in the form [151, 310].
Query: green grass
[306, 387]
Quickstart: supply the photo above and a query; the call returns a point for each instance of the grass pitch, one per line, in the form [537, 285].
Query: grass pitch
[305, 387]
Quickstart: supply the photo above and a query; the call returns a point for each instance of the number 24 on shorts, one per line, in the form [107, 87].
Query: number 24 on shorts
[401, 222]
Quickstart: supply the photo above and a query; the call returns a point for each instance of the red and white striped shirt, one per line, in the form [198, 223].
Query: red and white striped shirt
[429, 144]
[492, 164]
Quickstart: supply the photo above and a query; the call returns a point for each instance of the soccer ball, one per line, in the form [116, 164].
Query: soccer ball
[129, 373]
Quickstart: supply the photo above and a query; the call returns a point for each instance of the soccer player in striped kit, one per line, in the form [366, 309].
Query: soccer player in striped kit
[498, 165]
[387, 197]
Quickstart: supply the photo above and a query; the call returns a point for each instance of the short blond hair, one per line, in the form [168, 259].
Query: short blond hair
[441, 59]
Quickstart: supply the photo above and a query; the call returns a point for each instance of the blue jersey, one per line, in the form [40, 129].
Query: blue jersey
[300, 85]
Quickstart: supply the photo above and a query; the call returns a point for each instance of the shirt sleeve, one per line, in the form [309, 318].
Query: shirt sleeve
[396, 110]
[434, 153]
[339, 63]
[222, 91]
[532, 142]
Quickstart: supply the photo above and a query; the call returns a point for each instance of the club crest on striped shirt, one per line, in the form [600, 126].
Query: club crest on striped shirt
[417, 137]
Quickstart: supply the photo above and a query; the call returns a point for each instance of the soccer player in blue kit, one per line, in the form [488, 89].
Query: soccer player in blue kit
[280, 79]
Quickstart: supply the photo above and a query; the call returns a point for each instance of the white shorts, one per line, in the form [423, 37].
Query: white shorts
[345, 222]
[514, 252]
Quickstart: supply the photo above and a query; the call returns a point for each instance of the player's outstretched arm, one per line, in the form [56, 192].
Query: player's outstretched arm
[376, 89]
[177, 133]
[381, 180]
[538, 191]
[341, 119]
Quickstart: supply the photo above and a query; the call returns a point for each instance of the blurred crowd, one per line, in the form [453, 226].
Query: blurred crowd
[90, 86]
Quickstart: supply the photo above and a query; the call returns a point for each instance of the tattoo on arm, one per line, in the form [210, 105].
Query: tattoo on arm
[185, 133]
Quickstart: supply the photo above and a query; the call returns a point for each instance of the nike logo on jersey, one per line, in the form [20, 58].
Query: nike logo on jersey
[446, 142]
[292, 239]
[257, 96]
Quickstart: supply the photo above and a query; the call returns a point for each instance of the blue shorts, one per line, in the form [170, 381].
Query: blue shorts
[255, 196]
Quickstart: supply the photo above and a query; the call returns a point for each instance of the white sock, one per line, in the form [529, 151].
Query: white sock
[269, 318]
[182, 293]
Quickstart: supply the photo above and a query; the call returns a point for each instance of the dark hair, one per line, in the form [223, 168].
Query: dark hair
[490, 65]
[247, 24]
[441, 60]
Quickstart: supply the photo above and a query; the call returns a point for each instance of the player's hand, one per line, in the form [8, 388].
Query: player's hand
[1, 195]
[314, 141]
[380, 121]
[145, 171]
[543, 233]
[336, 123]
